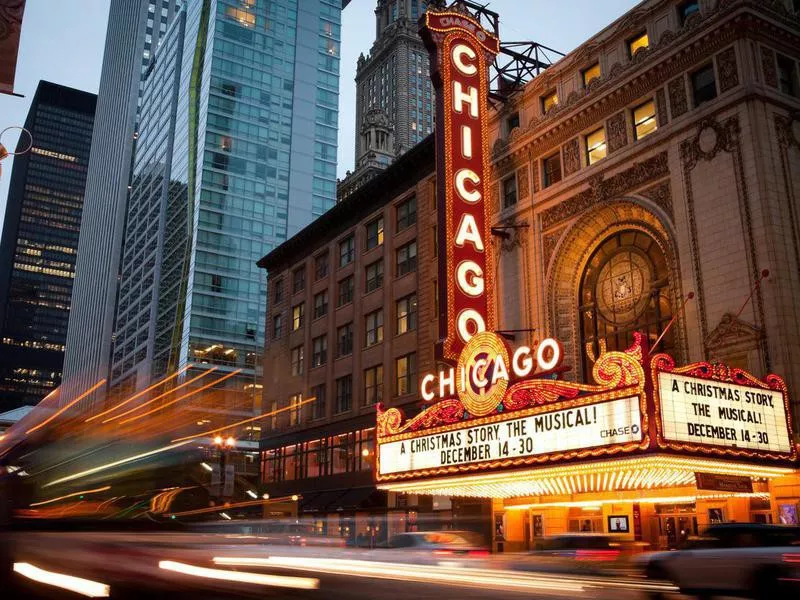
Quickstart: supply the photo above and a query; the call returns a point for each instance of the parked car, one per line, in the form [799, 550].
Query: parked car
[733, 559]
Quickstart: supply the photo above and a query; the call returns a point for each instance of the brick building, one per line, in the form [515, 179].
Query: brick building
[661, 157]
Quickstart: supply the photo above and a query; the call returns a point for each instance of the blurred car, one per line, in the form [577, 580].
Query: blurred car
[439, 543]
[586, 553]
[733, 559]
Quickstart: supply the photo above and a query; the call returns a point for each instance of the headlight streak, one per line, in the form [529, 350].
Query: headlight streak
[139, 394]
[300, 583]
[179, 398]
[86, 587]
[167, 393]
[211, 509]
[444, 573]
[467, 577]
[66, 407]
[251, 419]
[113, 464]
[72, 495]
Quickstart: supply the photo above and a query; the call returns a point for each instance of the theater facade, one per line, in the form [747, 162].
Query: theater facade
[605, 270]
[610, 282]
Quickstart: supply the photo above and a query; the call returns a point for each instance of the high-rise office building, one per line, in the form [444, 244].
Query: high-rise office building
[40, 240]
[236, 152]
[134, 30]
[394, 96]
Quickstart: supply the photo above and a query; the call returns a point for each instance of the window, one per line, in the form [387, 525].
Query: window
[512, 122]
[374, 328]
[321, 266]
[405, 370]
[374, 273]
[406, 310]
[625, 288]
[687, 9]
[590, 74]
[321, 304]
[407, 259]
[509, 191]
[277, 291]
[277, 326]
[295, 401]
[374, 233]
[344, 393]
[373, 385]
[644, 119]
[787, 75]
[298, 280]
[318, 393]
[298, 314]
[549, 101]
[344, 340]
[241, 15]
[551, 167]
[347, 250]
[346, 288]
[596, 146]
[319, 351]
[297, 360]
[638, 42]
[406, 213]
[704, 85]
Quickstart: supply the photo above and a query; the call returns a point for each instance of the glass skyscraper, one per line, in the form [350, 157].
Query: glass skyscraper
[40, 240]
[236, 153]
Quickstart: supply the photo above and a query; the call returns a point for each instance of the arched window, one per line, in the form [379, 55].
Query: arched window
[624, 288]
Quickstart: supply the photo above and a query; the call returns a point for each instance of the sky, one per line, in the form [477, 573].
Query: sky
[62, 41]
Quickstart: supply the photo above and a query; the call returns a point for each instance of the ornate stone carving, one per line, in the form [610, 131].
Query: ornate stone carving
[660, 195]
[523, 183]
[678, 102]
[661, 107]
[515, 237]
[727, 69]
[601, 189]
[571, 156]
[768, 67]
[495, 195]
[617, 132]
[549, 243]
[535, 175]
[733, 334]
[712, 138]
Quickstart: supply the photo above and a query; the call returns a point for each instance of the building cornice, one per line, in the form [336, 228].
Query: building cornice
[672, 55]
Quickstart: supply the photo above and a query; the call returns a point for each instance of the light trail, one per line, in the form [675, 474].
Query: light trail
[250, 420]
[179, 398]
[111, 465]
[167, 393]
[139, 394]
[72, 495]
[66, 406]
[512, 581]
[211, 509]
[299, 583]
[86, 587]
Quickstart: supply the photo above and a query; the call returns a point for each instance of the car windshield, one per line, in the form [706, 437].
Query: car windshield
[753, 537]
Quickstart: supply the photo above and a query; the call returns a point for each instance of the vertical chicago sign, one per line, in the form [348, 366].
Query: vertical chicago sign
[461, 51]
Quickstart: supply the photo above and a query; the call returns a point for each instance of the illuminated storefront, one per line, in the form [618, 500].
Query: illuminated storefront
[649, 450]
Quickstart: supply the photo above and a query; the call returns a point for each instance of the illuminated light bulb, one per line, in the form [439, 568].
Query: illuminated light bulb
[218, 440]
[365, 452]
[265, 496]
[230, 442]
[295, 497]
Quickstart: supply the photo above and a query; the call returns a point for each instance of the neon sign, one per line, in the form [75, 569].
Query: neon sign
[485, 369]
[461, 51]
